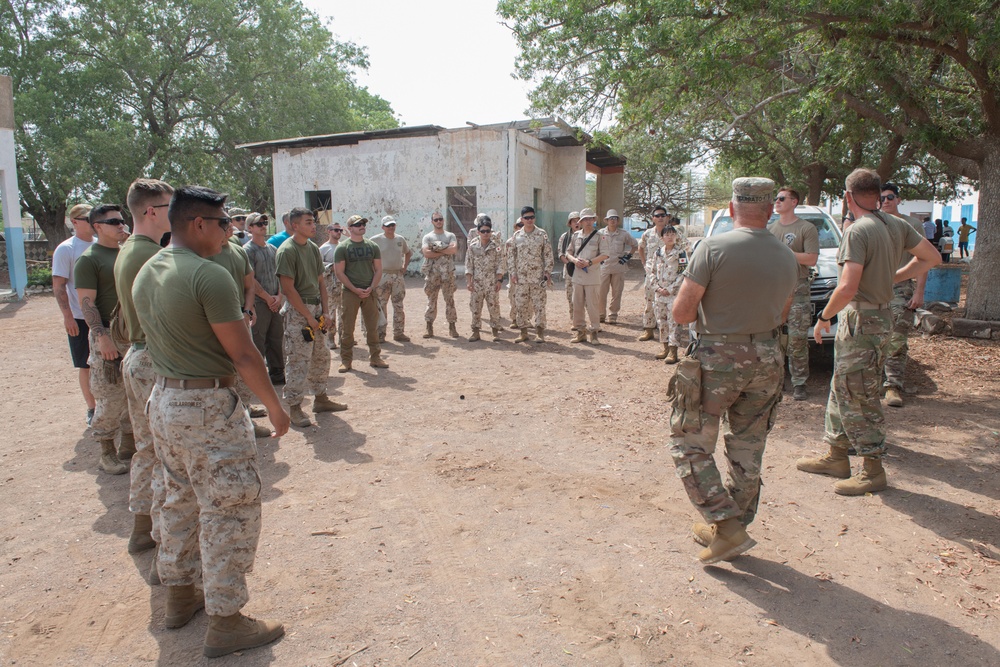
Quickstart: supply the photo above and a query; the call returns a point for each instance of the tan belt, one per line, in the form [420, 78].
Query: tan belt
[207, 383]
[864, 305]
[738, 338]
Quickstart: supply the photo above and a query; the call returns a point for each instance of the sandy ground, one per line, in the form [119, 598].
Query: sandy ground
[503, 504]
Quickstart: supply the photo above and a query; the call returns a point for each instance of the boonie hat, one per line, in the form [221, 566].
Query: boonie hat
[752, 189]
[588, 213]
[356, 220]
[388, 221]
[612, 213]
[575, 215]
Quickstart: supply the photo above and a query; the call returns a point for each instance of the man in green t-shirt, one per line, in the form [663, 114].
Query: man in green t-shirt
[307, 358]
[147, 200]
[94, 275]
[190, 311]
[870, 257]
[358, 263]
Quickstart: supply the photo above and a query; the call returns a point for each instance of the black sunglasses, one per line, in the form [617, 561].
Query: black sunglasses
[437, 219]
[780, 198]
[527, 217]
[110, 221]
[224, 222]
[888, 197]
[337, 230]
[659, 215]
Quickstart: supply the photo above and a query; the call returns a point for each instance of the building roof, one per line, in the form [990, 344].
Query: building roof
[552, 131]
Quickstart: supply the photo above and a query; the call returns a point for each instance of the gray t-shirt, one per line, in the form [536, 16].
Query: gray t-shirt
[748, 276]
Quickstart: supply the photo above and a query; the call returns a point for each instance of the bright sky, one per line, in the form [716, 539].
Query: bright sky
[438, 62]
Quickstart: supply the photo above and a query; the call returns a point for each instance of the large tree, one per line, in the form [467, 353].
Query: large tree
[926, 72]
[107, 90]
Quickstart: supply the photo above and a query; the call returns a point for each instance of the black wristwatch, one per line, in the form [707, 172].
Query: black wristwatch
[823, 319]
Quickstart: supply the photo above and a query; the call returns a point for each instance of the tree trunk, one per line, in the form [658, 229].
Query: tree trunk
[983, 298]
[53, 223]
[815, 177]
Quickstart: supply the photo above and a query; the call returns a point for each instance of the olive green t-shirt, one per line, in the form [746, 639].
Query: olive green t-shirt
[800, 236]
[878, 243]
[178, 296]
[96, 270]
[748, 276]
[135, 252]
[358, 258]
[234, 259]
[303, 264]
[917, 225]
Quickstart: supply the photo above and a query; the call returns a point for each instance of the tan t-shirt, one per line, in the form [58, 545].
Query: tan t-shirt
[748, 276]
[877, 241]
[917, 225]
[800, 236]
[393, 251]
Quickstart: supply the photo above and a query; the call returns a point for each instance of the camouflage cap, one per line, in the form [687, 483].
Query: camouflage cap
[238, 213]
[356, 220]
[752, 189]
[588, 213]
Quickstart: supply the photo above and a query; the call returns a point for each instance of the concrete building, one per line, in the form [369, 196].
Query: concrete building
[411, 172]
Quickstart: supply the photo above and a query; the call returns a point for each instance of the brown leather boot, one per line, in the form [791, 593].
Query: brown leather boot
[141, 540]
[671, 354]
[475, 336]
[126, 446]
[523, 337]
[452, 330]
[430, 331]
[835, 463]
[227, 634]
[260, 431]
[731, 539]
[647, 334]
[377, 362]
[871, 479]
[183, 602]
[666, 351]
[322, 403]
[298, 417]
[109, 462]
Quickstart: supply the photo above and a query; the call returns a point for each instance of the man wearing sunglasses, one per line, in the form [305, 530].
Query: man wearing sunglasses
[395, 257]
[530, 265]
[240, 235]
[907, 297]
[94, 275]
[334, 290]
[438, 248]
[802, 238]
[484, 271]
[358, 263]
[649, 243]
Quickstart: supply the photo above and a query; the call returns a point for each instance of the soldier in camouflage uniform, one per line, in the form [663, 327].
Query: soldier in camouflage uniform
[198, 340]
[530, 263]
[484, 269]
[740, 364]
[563, 245]
[438, 248]
[869, 256]
[334, 290]
[95, 288]
[667, 267]
[507, 246]
[802, 237]
[396, 255]
[907, 296]
[649, 243]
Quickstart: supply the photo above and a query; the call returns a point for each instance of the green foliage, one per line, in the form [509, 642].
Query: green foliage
[40, 275]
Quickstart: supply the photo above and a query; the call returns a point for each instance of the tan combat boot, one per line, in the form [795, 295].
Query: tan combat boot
[430, 331]
[256, 412]
[376, 362]
[671, 354]
[183, 602]
[452, 330]
[109, 462]
[647, 334]
[869, 480]
[298, 417]
[322, 403]
[835, 464]
[496, 333]
[401, 337]
[523, 337]
[260, 431]
[227, 634]
[475, 335]
[893, 398]
[154, 574]
[666, 351]
[140, 540]
[703, 534]
[593, 338]
[581, 336]
[730, 541]
[126, 446]
[540, 334]
[345, 366]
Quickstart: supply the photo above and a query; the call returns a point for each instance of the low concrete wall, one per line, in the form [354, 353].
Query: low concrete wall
[34, 251]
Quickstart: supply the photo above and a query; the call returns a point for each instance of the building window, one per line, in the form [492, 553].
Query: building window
[461, 216]
[320, 202]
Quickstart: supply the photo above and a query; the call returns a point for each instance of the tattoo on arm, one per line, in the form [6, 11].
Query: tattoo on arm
[92, 316]
[62, 296]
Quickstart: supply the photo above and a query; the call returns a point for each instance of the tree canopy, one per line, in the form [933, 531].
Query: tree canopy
[109, 90]
[897, 80]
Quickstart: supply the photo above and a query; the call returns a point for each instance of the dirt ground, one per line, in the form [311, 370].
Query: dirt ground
[515, 504]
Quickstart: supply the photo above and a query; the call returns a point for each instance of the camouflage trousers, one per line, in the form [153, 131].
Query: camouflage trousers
[306, 363]
[392, 287]
[615, 284]
[111, 409]
[529, 297]
[650, 318]
[854, 415]
[902, 325]
[334, 310]
[146, 473]
[670, 332]
[797, 348]
[485, 290]
[210, 519]
[740, 383]
[434, 283]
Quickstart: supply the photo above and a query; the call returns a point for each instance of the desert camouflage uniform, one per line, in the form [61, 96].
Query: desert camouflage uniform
[854, 409]
[111, 409]
[486, 266]
[439, 276]
[210, 520]
[146, 482]
[306, 363]
[393, 287]
[902, 324]
[666, 270]
[530, 262]
[800, 317]
[650, 242]
[743, 382]
[335, 303]
[566, 239]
